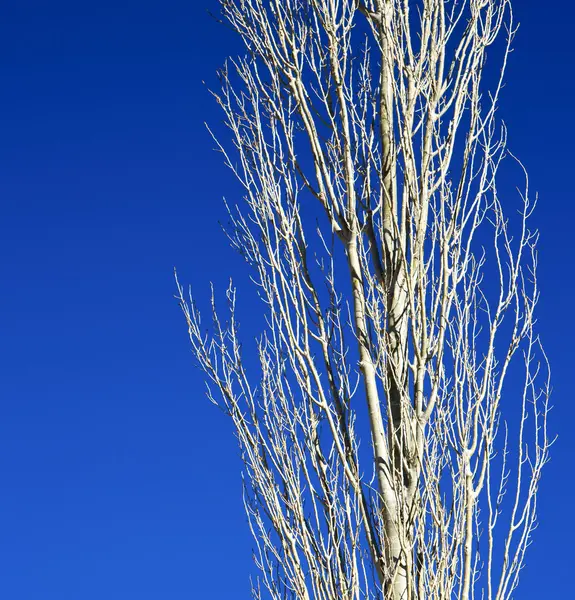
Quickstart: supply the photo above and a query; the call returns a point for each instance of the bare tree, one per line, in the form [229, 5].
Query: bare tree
[403, 309]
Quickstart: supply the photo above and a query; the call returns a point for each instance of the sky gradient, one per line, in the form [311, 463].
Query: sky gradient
[119, 480]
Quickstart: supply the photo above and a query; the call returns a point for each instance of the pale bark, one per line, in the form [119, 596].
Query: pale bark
[378, 111]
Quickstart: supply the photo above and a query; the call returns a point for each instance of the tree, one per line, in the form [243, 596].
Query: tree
[403, 310]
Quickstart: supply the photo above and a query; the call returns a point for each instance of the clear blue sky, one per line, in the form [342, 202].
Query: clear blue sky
[118, 479]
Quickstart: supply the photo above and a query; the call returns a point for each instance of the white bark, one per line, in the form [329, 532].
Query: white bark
[379, 113]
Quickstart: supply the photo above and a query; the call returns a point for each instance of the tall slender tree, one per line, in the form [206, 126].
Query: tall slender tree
[403, 310]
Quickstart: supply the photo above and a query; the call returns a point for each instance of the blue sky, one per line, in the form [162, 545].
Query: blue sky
[119, 479]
